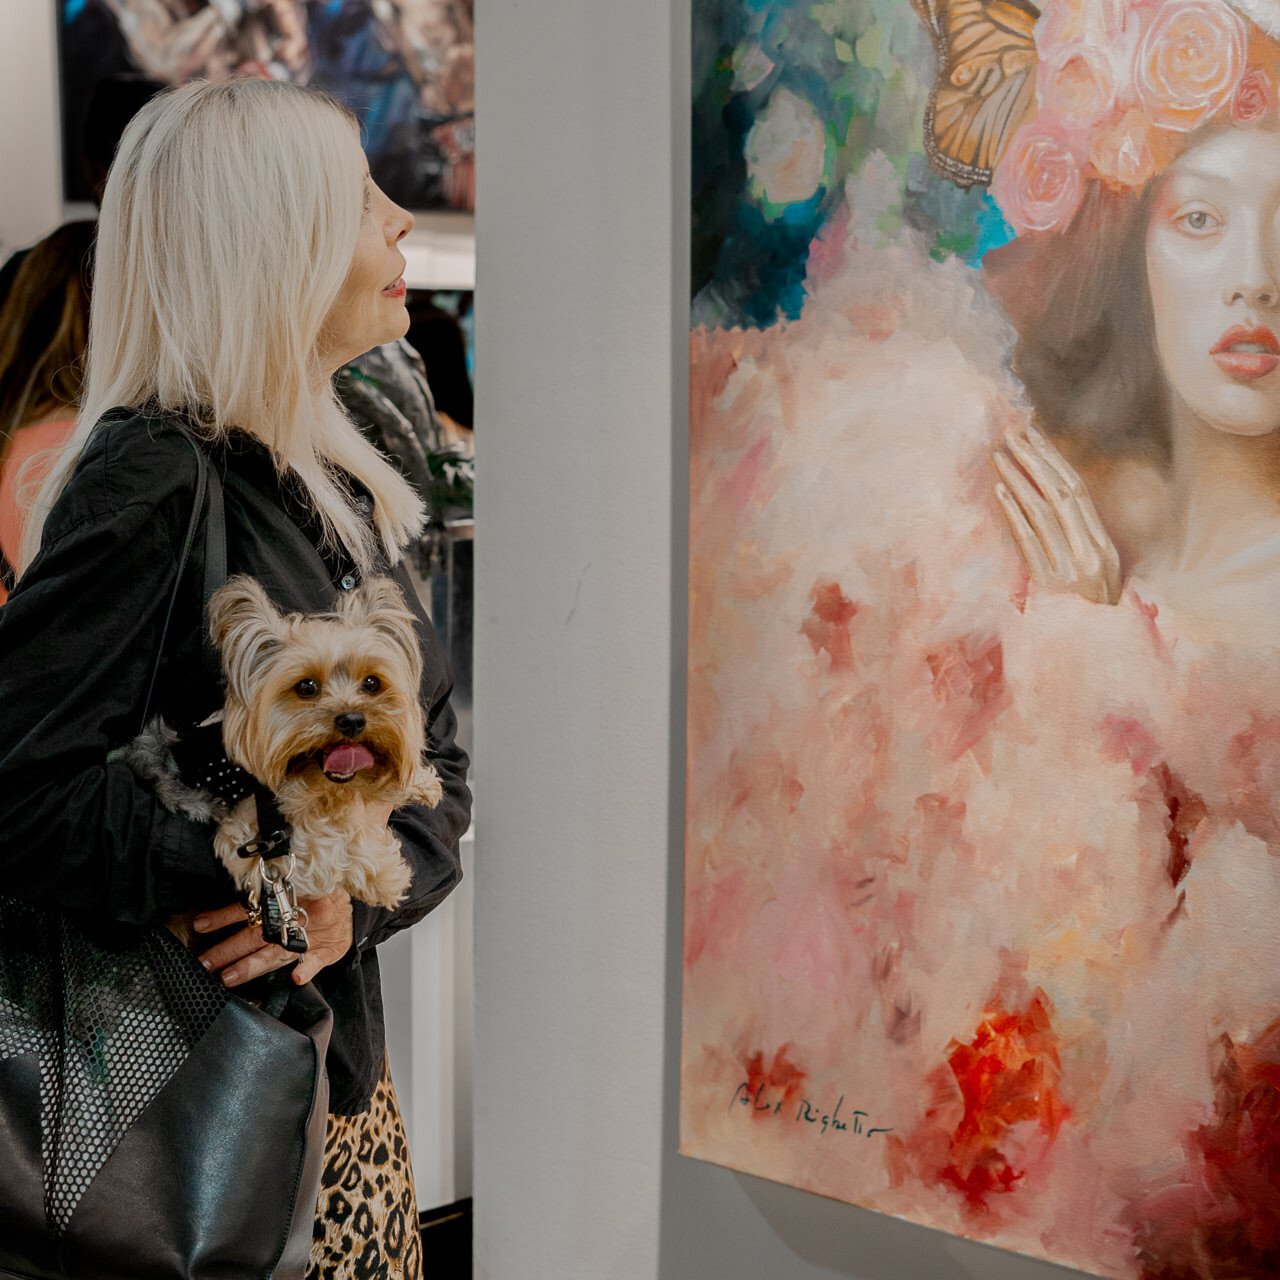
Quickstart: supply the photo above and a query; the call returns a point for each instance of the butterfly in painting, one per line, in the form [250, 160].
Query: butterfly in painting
[986, 86]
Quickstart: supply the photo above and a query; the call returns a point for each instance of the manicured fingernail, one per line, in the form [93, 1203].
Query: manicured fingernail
[200, 924]
[207, 965]
[230, 977]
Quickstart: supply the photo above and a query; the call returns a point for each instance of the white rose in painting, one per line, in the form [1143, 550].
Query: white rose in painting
[786, 150]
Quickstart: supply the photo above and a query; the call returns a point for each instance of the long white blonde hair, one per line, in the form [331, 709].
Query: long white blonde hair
[229, 221]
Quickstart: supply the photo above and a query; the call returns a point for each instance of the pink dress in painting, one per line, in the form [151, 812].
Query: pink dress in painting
[982, 877]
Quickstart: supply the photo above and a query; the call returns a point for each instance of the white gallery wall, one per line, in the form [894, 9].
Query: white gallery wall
[580, 622]
[30, 150]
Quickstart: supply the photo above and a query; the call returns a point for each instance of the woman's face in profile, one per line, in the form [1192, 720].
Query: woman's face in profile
[370, 310]
[1213, 267]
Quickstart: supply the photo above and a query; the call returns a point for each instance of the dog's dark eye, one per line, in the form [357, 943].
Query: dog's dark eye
[371, 684]
[307, 688]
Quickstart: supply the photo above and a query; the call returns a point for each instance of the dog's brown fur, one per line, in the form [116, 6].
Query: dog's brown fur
[363, 659]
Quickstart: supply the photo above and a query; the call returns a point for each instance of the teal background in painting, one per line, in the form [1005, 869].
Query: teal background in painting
[866, 67]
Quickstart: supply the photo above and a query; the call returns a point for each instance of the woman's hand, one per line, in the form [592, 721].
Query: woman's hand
[1054, 521]
[244, 956]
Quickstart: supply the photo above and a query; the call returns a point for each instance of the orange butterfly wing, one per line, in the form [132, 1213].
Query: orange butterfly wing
[986, 87]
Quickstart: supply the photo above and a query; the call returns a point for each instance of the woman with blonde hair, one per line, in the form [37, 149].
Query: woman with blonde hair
[244, 255]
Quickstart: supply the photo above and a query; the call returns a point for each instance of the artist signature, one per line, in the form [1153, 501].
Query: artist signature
[836, 1120]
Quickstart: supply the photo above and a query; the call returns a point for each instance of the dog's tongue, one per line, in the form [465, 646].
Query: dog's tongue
[351, 757]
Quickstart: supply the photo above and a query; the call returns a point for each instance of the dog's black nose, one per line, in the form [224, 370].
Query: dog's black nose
[349, 723]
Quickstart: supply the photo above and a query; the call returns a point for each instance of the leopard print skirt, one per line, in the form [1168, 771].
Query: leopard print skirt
[367, 1219]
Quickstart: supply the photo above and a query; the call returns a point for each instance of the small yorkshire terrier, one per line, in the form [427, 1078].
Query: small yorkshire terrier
[324, 711]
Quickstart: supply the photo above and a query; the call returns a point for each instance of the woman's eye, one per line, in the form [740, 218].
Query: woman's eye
[371, 684]
[1198, 221]
[307, 688]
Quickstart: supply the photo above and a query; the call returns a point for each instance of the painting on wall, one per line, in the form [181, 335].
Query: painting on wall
[983, 803]
[406, 68]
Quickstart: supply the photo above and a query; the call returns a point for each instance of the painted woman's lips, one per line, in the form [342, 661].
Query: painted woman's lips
[1247, 353]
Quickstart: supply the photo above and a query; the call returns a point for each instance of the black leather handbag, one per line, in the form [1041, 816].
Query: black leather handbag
[153, 1125]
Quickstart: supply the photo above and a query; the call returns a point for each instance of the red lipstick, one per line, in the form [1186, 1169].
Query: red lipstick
[1247, 353]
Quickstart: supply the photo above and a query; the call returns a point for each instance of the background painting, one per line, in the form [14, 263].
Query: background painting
[982, 839]
[405, 67]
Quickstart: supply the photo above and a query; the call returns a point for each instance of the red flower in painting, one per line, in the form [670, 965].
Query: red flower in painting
[827, 626]
[1226, 1206]
[968, 680]
[1008, 1074]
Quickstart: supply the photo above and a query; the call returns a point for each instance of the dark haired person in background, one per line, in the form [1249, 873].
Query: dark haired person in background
[44, 323]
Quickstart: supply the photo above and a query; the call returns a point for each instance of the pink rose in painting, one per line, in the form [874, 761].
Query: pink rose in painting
[1098, 23]
[1038, 183]
[1129, 152]
[1085, 52]
[1254, 97]
[1189, 62]
[1077, 85]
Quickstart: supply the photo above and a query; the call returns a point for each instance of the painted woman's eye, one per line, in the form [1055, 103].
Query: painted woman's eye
[1198, 221]
[307, 688]
[371, 684]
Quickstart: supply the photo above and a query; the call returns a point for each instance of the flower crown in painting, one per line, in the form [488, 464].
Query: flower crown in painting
[1037, 105]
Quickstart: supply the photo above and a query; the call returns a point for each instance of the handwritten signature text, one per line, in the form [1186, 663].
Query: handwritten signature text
[822, 1120]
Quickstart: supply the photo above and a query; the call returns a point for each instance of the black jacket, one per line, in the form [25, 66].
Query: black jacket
[78, 640]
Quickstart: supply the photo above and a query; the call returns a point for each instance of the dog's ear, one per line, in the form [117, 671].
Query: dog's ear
[379, 603]
[376, 602]
[245, 626]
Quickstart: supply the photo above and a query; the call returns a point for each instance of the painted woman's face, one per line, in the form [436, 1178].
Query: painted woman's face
[1213, 266]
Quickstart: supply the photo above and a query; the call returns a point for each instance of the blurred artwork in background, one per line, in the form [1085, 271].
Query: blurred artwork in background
[405, 67]
[983, 778]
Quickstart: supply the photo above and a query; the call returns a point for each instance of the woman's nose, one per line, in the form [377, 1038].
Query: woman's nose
[1256, 268]
[404, 224]
[1254, 295]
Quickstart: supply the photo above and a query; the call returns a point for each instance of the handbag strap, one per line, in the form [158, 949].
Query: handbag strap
[215, 567]
[208, 493]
